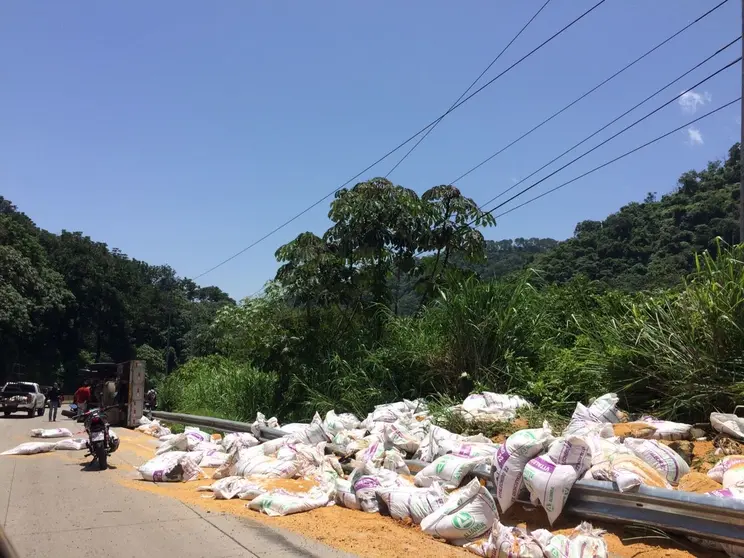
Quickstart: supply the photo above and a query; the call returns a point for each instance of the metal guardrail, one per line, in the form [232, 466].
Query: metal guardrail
[696, 515]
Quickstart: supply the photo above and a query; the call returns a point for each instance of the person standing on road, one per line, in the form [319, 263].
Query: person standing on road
[55, 396]
[82, 396]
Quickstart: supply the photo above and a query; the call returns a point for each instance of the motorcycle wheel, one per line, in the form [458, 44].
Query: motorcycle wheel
[101, 456]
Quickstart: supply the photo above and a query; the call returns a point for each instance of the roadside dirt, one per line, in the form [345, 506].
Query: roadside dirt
[377, 536]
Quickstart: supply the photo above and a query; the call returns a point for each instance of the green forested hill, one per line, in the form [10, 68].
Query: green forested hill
[652, 244]
[66, 300]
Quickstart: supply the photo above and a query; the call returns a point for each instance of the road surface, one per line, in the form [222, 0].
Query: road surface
[52, 506]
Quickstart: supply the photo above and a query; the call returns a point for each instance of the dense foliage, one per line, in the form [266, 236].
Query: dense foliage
[67, 301]
[402, 295]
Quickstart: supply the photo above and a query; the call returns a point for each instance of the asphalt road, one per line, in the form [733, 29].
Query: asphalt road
[53, 506]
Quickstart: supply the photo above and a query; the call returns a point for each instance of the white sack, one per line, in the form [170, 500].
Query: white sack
[729, 471]
[398, 437]
[30, 448]
[661, 457]
[213, 459]
[728, 424]
[469, 449]
[265, 466]
[511, 459]
[449, 469]
[51, 433]
[242, 438]
[428, 449]
[410, 502]
[345, 495]
[234, 487]
[393, 461]
[333, 423]
[261, 422]
[173, 466]
[468, 513]
[668, 430]
[549, 484]
[74, 444]
[311, 435]
[281, 502]
[584, 542]
[508, 542]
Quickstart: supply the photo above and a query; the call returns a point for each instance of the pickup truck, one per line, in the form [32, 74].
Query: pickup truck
[22, 396]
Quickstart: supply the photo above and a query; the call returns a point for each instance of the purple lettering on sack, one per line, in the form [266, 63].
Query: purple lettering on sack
[157, 476]
[502, 455]
[366, 482]
[464, 450]
[540, 463]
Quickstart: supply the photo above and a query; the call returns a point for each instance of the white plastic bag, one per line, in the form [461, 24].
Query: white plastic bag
[410, 502]
[30, 448]
[468, 513]
[661, 457]
[51, 433]
[449, 469]
[73, 444]
[511, 459]
[281, 502]
[173, 466]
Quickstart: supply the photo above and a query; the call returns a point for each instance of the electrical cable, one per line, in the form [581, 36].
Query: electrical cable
[644, 117]
[626, 154]
[592, 90]
[500, 54]
[459, 104]
[615, 120]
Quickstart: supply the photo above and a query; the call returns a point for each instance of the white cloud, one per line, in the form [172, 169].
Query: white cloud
[691, 100]
[694, 137]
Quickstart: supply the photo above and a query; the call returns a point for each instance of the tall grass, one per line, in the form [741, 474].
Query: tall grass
[489, 330]
[219, 387]
[680, 355]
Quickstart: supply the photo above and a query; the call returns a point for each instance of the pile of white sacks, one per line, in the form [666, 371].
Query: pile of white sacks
[444, 497]
[32, 448]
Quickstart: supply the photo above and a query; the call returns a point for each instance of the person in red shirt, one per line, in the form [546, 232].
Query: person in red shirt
[81, 398]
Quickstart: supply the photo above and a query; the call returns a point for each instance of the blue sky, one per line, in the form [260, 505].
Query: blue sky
[182, 131]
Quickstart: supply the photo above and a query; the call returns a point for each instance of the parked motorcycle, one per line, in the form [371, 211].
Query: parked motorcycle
[102, 441]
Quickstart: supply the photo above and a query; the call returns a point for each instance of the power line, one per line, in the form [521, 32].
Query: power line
[592, 90]
[456, 106]
[626, 154]
[648, 115]
[618, 118]
[500, 54]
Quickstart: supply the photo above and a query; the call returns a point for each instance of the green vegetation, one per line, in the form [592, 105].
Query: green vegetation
[401, 295]
[67, 301]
